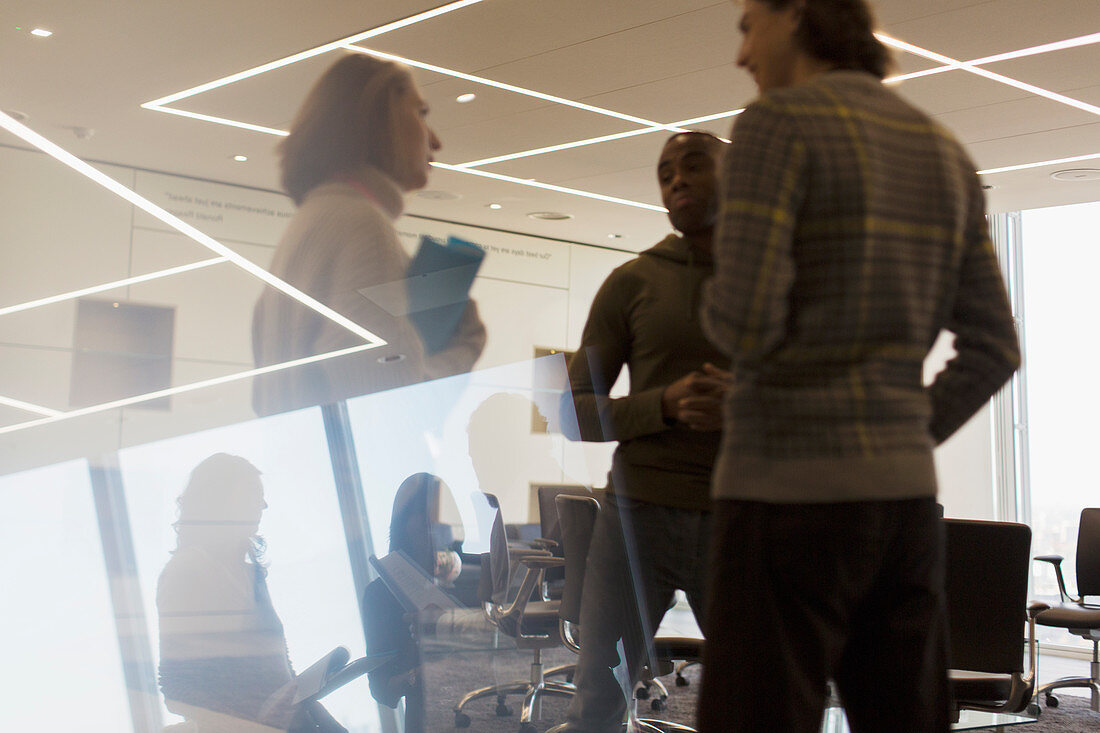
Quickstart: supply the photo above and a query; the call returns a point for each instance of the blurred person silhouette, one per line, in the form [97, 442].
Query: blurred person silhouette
[651, 534]
[852, 233]
[433, 546]
[359, 142]
[503, 425]
[223, 657]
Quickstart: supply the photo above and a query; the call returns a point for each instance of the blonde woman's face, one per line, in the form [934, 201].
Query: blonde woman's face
[414, 143]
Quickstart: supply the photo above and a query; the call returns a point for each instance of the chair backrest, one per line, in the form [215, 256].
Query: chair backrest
[548, 509]
[1088, 553]
[495, 564]
[988, 564]
[578, 516]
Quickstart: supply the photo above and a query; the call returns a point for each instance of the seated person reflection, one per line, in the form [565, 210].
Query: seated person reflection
[359, 142]
[223, 657]
[388, 624]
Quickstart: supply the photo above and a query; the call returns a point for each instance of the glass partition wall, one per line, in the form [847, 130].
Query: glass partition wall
[130, 451]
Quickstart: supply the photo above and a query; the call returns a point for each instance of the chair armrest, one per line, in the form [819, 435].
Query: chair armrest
[542, 562]
[536, 566]
[1036, 607]
[351, 671]
[519, 554]
[1056, 561]
[543, 543]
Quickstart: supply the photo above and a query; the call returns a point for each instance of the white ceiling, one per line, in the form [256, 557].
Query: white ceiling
[660, 60]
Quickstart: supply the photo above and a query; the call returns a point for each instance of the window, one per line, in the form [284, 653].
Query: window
[1060, 262]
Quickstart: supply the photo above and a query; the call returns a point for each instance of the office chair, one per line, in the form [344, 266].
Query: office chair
[986, 583]
[551, 539]
[523, 615]
[577, 515]
[1073, 614]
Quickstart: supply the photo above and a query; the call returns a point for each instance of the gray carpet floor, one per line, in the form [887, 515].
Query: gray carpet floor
[447, 679]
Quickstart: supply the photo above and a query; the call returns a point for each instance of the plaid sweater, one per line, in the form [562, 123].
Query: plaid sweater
[852, 232]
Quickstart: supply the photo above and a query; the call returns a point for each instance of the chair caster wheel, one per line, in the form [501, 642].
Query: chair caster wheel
[462, 720]
[503, 711]
[682, 681]
[528, 728]
[642, 693]
[1052, 701]
[657, 705]
[1033, 709]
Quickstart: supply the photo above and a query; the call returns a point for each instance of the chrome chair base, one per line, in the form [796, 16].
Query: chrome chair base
[532, 691]
[1092, 685]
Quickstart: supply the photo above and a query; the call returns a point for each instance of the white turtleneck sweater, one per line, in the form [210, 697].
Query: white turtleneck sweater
[342, 240]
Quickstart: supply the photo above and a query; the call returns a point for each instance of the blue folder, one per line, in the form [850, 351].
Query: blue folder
[439, 280]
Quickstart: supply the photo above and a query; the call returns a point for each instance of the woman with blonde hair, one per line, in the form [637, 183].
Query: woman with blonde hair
[359, 143]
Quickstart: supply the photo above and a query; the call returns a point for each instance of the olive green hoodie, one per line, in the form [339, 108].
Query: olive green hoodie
[646, 316]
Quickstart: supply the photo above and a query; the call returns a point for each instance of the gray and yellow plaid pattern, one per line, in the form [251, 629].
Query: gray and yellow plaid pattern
[852, 231]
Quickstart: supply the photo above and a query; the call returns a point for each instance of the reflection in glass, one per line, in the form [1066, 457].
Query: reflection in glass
[224, 662]
[430, 545]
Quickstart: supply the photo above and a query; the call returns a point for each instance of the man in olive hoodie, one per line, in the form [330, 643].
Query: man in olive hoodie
[652, 531]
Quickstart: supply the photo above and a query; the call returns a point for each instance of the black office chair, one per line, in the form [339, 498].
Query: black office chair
[522, 614]
[577, 515]
[1073, 614]
[987, 576]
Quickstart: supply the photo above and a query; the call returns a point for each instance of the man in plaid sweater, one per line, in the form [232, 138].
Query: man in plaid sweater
[852, 231]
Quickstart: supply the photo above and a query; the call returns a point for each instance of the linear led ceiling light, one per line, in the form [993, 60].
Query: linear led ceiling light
[1034, 50]
[979, 71]
[510, 87]
[194, 386]
[549, 187]
[675, 126]
[28, 407]
[62, 155]
[73, 294]
[1021, 53]
[224, 255]
[1040, 164]
[158, 104]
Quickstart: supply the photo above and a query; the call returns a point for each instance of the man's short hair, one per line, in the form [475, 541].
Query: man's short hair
[702, 134]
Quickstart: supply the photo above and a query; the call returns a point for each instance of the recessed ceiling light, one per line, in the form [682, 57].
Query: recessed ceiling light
[1077, 174]
[549, 216]
[495, 207]
[464, 98]
[436, 195]
[240, 158]
[41, 33]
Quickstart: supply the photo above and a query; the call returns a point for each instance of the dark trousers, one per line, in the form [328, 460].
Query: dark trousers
[641, 553]
[804, 593]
